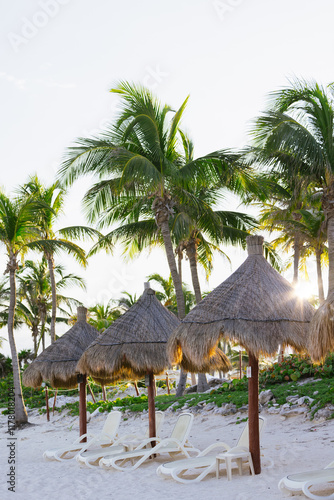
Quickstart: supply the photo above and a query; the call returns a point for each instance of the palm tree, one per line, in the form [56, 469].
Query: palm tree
[167, 296]
[102, 316]
[300, 124]
[35, 293]
[128, 300]
[53, 198]
[140, 167]
[18, 232]
[313, 228]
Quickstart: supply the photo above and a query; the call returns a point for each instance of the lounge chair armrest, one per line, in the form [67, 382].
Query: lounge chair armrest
[238, 449]
[87, 435]
[213, 446]
[146, 442]
[167, 441]
[129, 437]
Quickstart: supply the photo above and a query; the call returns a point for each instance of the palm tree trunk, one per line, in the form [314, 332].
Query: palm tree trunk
[296, 259]
[50, 260]
[42, 332]
[35, 334]
[319, 276]
[191, 249]
[21, 416]
[330, 236]
[179, 256]
[162, 217]
[164, 227]
[191, 254]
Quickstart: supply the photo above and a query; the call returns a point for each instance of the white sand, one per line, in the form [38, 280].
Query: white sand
[288, 445]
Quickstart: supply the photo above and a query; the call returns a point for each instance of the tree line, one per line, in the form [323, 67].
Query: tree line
[149, 189]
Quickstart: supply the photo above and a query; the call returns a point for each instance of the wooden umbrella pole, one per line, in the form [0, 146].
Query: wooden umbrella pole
[240, 364]
[47, 403]
[136, 388]
[167, 383]
[253, 412]
[104, 393]
[91, 392]
[151, 408]
[54, 402]
[82, 408]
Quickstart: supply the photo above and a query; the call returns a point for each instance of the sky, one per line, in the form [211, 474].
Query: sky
[60, 58]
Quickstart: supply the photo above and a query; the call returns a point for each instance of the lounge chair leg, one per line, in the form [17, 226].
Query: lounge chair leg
[228, 468]
[251, 466]
[239, 463]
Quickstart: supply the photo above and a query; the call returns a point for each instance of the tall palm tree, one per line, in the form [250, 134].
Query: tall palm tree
[53, 198]
[140, 166]
[300, 124]
[18, 232]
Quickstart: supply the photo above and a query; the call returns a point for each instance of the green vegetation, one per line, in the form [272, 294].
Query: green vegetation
[281, 378]
[294, 367]
[321, 391]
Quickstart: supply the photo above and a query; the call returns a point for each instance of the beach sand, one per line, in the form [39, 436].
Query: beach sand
[288, 445]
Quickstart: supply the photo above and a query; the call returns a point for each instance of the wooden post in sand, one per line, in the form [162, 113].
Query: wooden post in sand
[136, 388]
[151, 406]
[253, 411]
[54, 402]
[91, 392]
[167, 383]
[82, 406]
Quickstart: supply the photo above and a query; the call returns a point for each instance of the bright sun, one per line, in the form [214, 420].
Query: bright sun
[305, 290]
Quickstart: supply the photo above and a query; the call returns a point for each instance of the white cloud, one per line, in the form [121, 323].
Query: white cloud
[51, 83]
[21, 83]
[17, 82]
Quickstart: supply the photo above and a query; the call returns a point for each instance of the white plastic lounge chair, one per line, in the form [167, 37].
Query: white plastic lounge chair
[127, 442]
[175, 445]
[204, 464]
[105, 438]
[303, 481]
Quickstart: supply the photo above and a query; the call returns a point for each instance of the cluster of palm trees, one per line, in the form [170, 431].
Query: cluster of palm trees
[150, 190]
[26, 223]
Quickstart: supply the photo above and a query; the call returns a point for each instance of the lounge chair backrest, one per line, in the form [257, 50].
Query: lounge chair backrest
[182, 427]
[159, 418]
[244, 438]
[112, 423]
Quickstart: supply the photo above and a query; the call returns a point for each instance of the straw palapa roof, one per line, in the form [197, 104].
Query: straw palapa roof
[57, 363]
[255, 306]
[322, 331]
[135, 344]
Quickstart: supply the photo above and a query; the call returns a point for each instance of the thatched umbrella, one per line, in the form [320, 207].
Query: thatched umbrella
[255, 306]
[134, 346]
[57, 363]
[321, 332]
